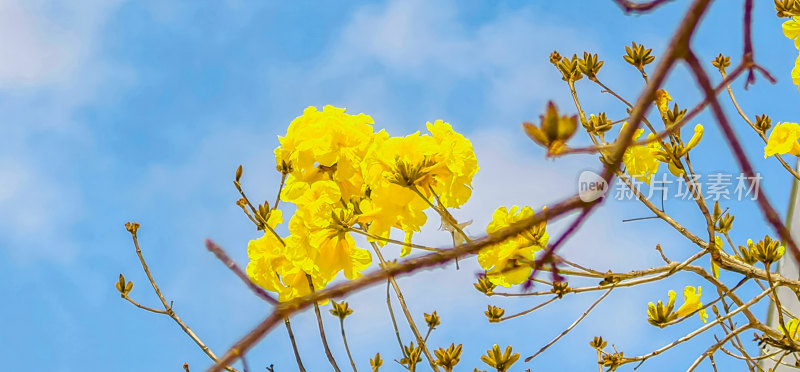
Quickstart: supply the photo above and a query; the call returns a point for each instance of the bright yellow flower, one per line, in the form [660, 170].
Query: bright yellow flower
[319, 231]
[393, 206]
[336, 249]
[791, 29]
[500, 259]
[691, 298]
[460, 159]
[792, 327]
[641, 161]
[783, 140]
[796, 71]
[273, 269]
[397, 168]
[283, 268]
[330, 142]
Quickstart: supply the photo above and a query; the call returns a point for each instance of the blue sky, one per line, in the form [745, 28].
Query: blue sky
[116, 111]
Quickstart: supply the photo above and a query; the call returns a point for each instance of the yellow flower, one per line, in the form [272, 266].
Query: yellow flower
[320, 231]
[662, 100]
[460, 159]
[691, 298]
[783, 140]
[329, 143]
[791, 29]
[336, 248]
[398, 169]
[796, 71]
[279, 270]
[501, 259]
[792, 326]
[641, 161]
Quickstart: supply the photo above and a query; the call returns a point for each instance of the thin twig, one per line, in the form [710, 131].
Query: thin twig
[288, 324]
[322, 329]
[347, 347]
[394, 320]
[571, 326]
[132, 229]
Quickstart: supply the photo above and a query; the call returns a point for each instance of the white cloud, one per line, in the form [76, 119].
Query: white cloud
[45, 43]
[51, 66]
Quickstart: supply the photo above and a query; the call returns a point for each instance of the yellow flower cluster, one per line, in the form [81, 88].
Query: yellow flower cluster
[502, 260]
[342, 176]
[791, 29]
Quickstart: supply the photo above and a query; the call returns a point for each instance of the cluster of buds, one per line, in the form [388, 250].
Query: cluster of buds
[376, 362]
[569, 67]
[413, 355]
[432, 320]
[747, 254]
[590, 65]
[494, 313]
[262, 215]
[659, 314]
[448, 358]
[612, 361]
[341, 310]
[123, 287]
[671, 153]
[284, 167]
[763, 123]
[722, 220]
[638, 56]
[553, 131]
[484, 285]
[560, 289]
[721, 62]
[597, 124]
[787, 8]
[501, 361]
[132, 227]
[767, 251]
[674, 116]
[598, 343]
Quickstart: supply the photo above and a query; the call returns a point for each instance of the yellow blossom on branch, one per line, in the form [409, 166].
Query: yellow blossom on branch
[691, 298]
[791, 29]
[641, 161]
[792, 327]
[783, 140]
[503, 260]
